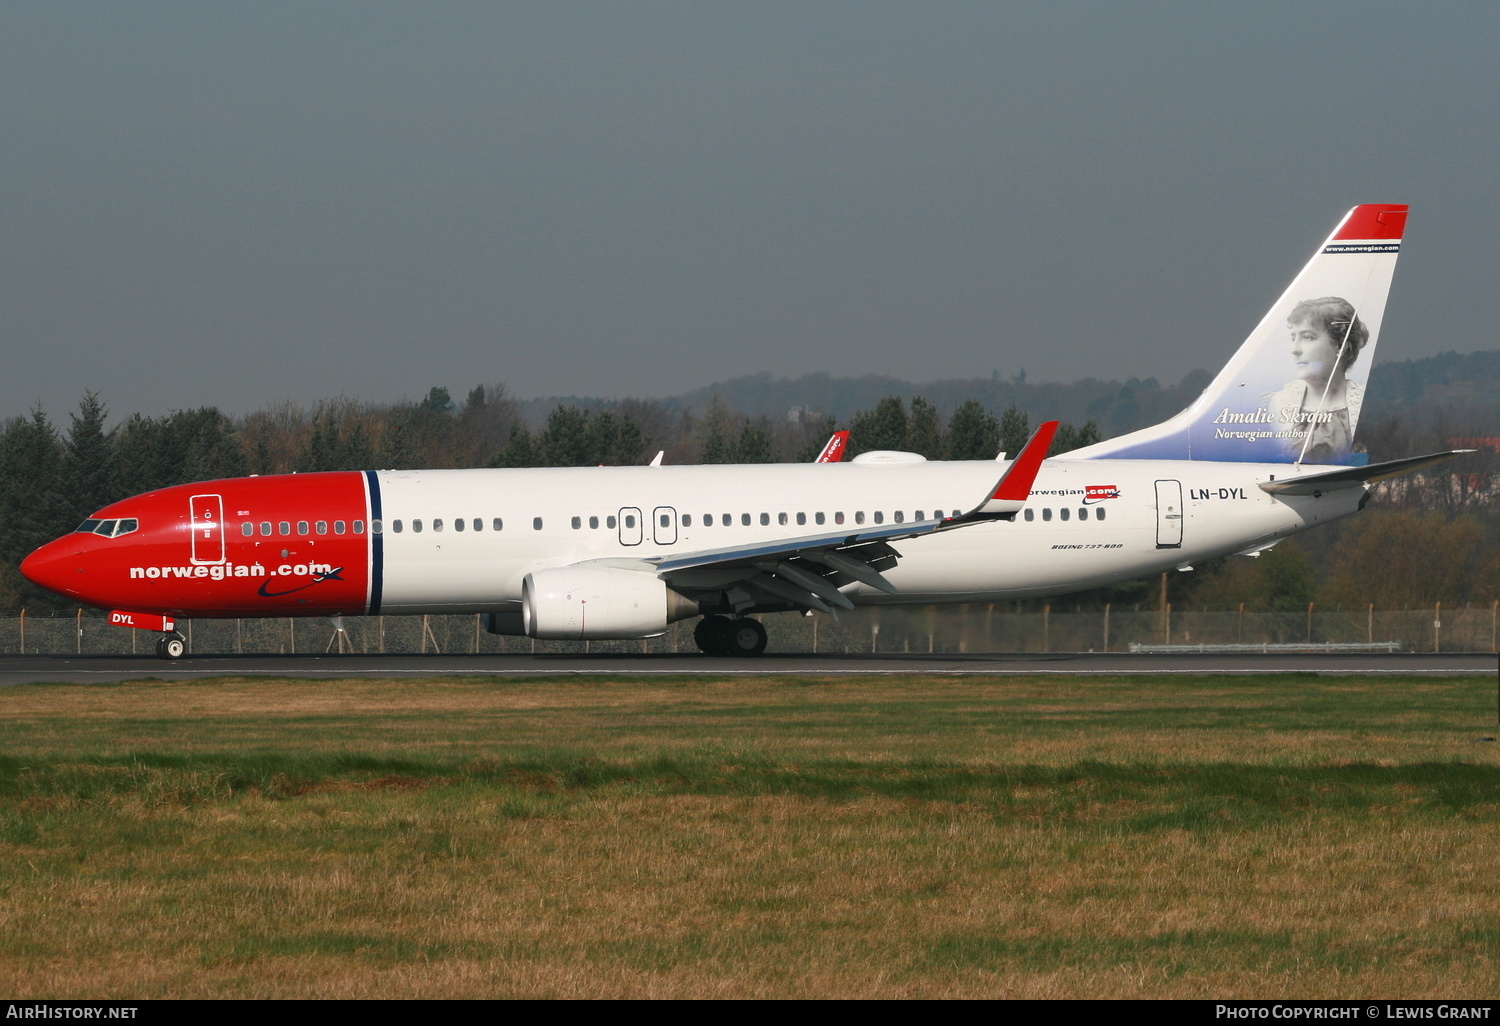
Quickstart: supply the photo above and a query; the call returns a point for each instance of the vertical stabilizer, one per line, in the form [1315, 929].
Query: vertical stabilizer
[1293, 391]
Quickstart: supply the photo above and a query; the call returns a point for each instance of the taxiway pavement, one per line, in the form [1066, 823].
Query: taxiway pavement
[25, 669]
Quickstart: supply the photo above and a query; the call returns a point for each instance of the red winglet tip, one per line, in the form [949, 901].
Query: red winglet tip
[1016, 484]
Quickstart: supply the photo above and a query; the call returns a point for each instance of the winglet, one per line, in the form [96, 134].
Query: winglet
[1014, 486]
[833, 452]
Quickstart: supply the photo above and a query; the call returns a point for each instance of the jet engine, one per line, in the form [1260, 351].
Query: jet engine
[577, 602]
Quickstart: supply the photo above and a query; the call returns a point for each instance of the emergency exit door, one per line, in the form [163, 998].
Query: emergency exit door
[664, 525]
[631, 528]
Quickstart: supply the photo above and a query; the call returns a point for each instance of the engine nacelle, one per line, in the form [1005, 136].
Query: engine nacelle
[577, 602]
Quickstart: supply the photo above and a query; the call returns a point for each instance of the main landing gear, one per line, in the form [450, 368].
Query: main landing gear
[719, 635]
[171, 646]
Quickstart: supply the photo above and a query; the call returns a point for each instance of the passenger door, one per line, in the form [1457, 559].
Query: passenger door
[1169, 514]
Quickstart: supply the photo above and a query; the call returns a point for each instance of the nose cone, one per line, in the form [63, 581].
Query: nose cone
[55, 566]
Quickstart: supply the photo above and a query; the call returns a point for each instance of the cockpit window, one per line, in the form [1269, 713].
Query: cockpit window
[108, 528]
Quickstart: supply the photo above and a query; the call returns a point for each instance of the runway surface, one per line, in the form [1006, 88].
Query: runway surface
[24, 669]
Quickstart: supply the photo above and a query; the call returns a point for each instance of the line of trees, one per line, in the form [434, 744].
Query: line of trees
[1426, 538]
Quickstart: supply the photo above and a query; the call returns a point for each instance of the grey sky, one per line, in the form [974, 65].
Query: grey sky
[234, 204]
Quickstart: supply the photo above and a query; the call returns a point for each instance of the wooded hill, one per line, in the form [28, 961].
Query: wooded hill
[51, 478]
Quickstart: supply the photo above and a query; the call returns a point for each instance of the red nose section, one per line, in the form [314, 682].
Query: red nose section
[56, 566]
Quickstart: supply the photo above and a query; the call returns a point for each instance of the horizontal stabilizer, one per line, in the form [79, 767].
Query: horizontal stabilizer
[1352, 477]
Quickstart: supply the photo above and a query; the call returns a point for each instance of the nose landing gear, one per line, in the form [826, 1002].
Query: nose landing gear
[171, 646]
[719, 635]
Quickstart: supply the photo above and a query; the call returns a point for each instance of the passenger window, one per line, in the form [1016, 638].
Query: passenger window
[458, 523]
[838, 517]
[1047, 513]
[478, 524]
[919, 515]
[416, 526]
[765, 520]
[536, 523]
[781, 519]
[726, 519]
[900, 516]
[375, 527]
[283, 527]
[396, 526]
[437, 523]
[666, 520]
[687, 520]
[1063, 512]
[1083, 514]
[859, 516]
[247, 529]
[577, 523]
[265, 528]
[359, 526]
[1099, 513]
[609, 522]
[302, 527]
[708, 520]
[321, 527]
[629, 521]
[1030, 514]
[801, 519]
[593, 523]
[818, 518]
[879, 517]
[745, 519]
[497, 524]
[338, 527]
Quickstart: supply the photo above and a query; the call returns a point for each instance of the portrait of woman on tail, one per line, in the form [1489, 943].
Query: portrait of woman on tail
[1321, 406]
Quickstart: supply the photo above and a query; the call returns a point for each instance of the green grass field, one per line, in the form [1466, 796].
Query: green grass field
[923, 836]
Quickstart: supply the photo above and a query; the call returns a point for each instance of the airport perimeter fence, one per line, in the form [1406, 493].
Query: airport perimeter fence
[935, 629]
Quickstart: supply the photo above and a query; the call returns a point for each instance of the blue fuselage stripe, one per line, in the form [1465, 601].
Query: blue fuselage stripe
[377, 544]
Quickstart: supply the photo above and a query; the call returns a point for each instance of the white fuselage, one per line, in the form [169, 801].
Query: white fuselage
[1086, 524]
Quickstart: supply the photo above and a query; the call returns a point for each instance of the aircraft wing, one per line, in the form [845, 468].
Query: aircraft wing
[1353, 477]
[808, 571]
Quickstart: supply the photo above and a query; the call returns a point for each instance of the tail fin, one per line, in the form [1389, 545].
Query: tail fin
[1292, 392]
[833, 452]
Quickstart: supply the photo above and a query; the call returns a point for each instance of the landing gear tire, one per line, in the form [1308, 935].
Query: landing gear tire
[746, 638]
[712, 635]
[171, 646]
